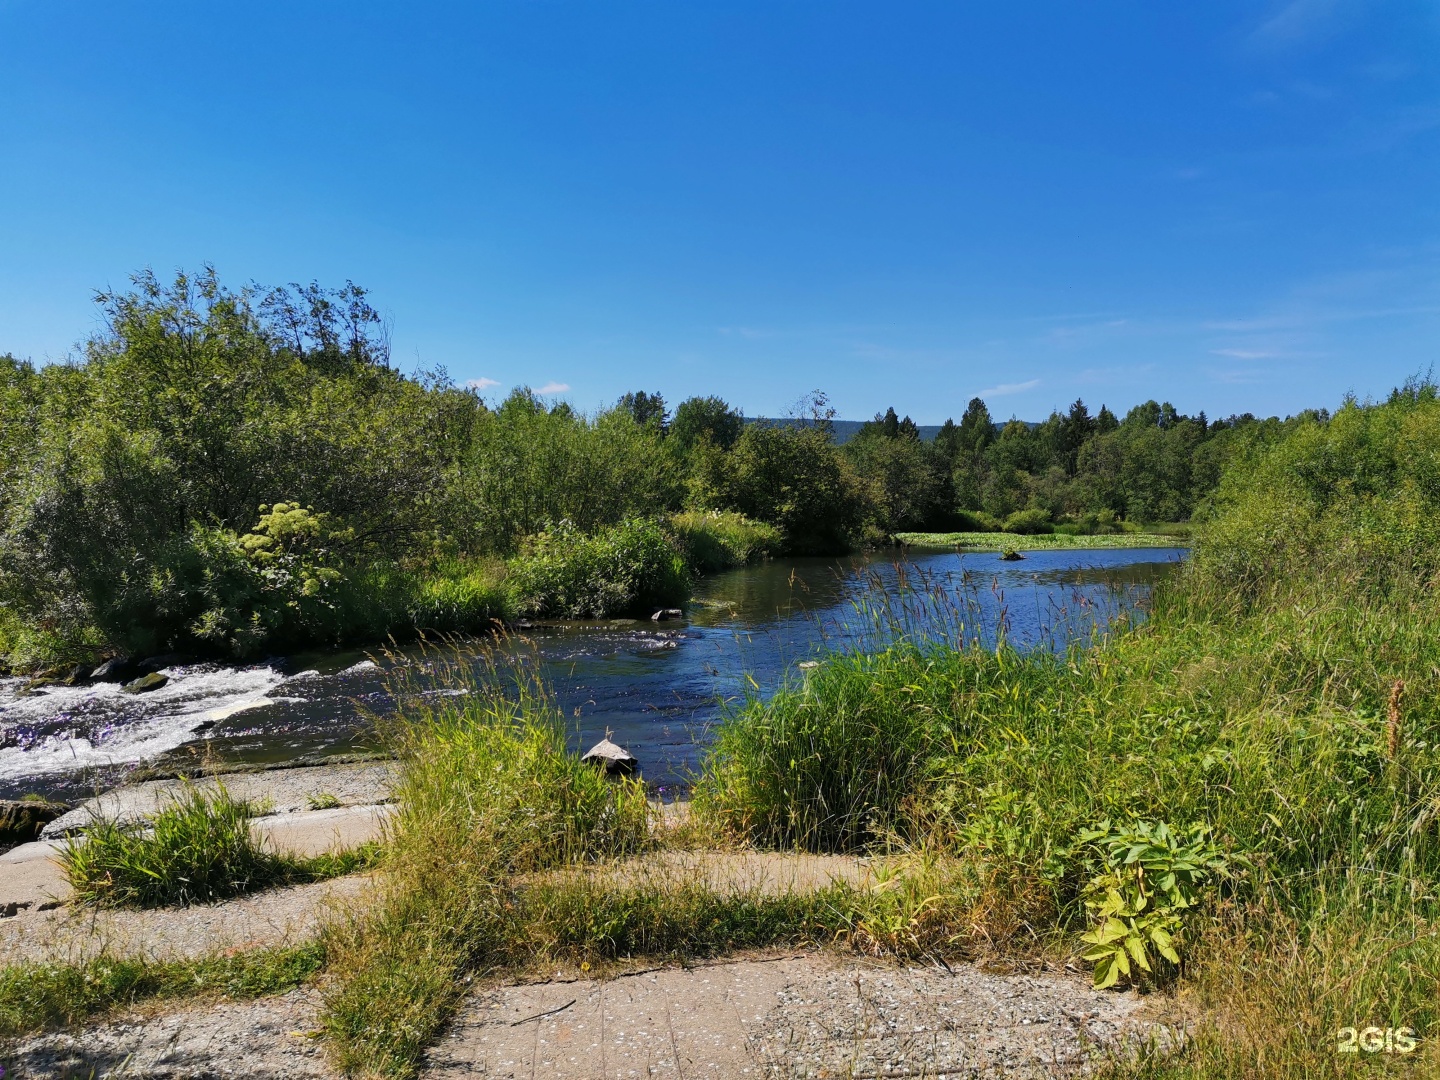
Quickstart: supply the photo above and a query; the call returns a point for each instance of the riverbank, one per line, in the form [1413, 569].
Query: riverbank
[658, 686]
[1002, 541]
[285, 945]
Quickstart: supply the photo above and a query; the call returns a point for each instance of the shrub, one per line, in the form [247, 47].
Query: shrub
[200, 848]
[1028, 522]
[791, 476]
[621, 569]
[976, 521]
[721, 540]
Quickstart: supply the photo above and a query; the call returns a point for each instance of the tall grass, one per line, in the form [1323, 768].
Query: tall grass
[488, 791]
[1283, 693]
[198, 849]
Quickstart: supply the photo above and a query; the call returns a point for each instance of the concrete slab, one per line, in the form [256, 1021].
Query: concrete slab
[31, 880]
[814, 1015]
[280, 791]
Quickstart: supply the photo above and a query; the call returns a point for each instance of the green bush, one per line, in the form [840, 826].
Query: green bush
[722, 540]
[790, 476]
[621, 569]
[198, 849]
[1029, 522]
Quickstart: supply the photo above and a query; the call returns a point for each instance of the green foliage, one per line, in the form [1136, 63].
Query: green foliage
[707, 419]
[1028, 522]
[38, 996]
[790, 476]
[1150, 875]
[198, 849]
[721, 540]
[625, 568]
[529, 466]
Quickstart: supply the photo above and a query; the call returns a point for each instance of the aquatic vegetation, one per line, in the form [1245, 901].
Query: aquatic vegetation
[1001, 541]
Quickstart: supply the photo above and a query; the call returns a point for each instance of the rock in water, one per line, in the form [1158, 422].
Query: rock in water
[116, 669]
[164, 660]
[616, 759]
[666, 614]
[1011, 555]
[143, 685]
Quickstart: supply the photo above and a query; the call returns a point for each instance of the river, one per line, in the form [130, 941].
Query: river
[657, 687]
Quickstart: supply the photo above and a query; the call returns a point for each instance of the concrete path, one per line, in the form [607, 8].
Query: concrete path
[812, 1015]
[273, 917]
[270, 1039]
[279, 791]
[31, 882]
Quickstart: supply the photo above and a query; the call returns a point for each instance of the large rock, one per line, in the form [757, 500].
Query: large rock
[615, 759]
[116, 669]
[143, 685]
[666, 614]
[22, 819]
[164, 660]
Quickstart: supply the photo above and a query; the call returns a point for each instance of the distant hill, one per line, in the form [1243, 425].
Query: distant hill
[845, 430]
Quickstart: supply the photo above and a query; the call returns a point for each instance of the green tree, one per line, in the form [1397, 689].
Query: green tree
[709, 418]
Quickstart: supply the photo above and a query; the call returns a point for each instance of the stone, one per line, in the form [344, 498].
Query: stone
[143, 685]
[164, 660]
[615, 759]
[22, 819]
[116, 669]
[666, 614]
[1011, 556]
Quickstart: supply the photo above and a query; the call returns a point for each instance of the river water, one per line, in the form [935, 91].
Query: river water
[657, 687]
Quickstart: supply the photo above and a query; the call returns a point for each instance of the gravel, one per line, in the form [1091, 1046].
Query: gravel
[251, 1040]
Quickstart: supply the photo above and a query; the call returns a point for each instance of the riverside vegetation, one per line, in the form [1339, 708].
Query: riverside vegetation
[1233, 802]
[226, 473]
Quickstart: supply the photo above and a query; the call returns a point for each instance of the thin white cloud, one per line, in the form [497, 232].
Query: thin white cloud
[1009, 388]
[554, 388]
[1297, 21]
[1246, 354]
[481, 384]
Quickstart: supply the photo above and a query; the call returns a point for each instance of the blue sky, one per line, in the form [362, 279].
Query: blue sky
[1235, 206]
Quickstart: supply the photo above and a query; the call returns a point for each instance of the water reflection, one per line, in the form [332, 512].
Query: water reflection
[656, 686]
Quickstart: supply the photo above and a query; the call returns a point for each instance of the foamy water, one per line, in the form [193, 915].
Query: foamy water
[65, 729]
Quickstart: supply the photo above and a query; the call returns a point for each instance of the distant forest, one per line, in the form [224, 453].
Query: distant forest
[240, 470]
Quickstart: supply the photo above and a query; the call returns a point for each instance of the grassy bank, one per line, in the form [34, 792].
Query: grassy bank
[561, 572]
[1277, 715]
[1002, 541]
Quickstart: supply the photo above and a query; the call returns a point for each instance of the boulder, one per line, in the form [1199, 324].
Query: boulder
[22, 819]
[666, 614]
[164, 660]
[1011, 555]
[615, 759]
[143, 685]
[116, 669]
